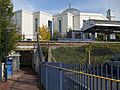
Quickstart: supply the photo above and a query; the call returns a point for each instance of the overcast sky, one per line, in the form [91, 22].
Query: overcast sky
[55, 6]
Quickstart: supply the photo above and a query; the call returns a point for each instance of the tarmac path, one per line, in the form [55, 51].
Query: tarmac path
[25, 79]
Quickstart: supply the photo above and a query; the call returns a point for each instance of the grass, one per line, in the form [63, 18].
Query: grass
[100, 53]
[79, 54]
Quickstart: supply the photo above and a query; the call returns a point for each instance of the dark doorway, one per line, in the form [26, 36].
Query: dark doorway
[26, 59]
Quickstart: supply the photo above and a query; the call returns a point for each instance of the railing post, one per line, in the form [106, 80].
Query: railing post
[40, 73]
[46, 76]
[61, 77]
[0, 72]
[49, 53]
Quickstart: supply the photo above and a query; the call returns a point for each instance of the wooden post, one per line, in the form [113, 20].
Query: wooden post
[89, 53]
[49, 53]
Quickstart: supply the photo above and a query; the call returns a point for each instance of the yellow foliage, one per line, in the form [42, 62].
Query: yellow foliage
[44, 33]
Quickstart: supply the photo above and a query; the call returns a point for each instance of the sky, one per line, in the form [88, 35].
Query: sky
[55, 6]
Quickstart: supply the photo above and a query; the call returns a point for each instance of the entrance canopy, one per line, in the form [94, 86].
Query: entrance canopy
[101, 26]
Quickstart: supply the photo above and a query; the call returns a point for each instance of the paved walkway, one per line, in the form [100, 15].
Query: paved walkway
[23, 80]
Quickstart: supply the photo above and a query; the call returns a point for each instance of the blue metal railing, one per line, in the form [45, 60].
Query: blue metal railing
[60, 76]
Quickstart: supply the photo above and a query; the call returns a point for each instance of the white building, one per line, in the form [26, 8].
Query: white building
[72, 18]
[28, 22]
[41, 18]
[24, 23]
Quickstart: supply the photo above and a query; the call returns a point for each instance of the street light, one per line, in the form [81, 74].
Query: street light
[6, 40]
[6, 53]
[52, 28]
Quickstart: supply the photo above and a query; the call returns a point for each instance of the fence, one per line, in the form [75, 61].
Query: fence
[60, 76]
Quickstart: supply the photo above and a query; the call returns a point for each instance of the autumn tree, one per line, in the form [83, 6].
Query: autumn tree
[8, 32]
[44, 33]
[55, 35]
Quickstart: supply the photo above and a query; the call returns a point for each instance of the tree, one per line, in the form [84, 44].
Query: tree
[8, 32]
[55, 35]
[44, 33]
[19, 37]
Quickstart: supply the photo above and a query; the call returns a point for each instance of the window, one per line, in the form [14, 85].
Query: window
[77, 35]
[87, 36]
[50, 25]
[36, 24]
[60, 26]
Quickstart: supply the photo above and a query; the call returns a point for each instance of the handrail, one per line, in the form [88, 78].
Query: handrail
[87, 74]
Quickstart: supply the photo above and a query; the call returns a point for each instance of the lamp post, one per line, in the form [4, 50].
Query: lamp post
[6, 56]
[6, 52]
[52, 28]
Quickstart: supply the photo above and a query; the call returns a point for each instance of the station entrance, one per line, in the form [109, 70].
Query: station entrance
[26, 58]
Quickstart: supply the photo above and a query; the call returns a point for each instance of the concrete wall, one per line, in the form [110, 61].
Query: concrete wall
[70, 21]
[66, 20]
[44, 17]
[17, 20]
[24, 23]
[64, 23]
[75, 21]
[27, 24]
[56, 22]
[36, 15]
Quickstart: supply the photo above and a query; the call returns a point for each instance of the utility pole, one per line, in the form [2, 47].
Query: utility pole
[52, 32]
[6, 56]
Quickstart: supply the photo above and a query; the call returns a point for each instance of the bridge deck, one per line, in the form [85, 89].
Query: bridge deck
[31, 45]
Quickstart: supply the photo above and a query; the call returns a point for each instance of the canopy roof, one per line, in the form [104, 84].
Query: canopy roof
[101, 26]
